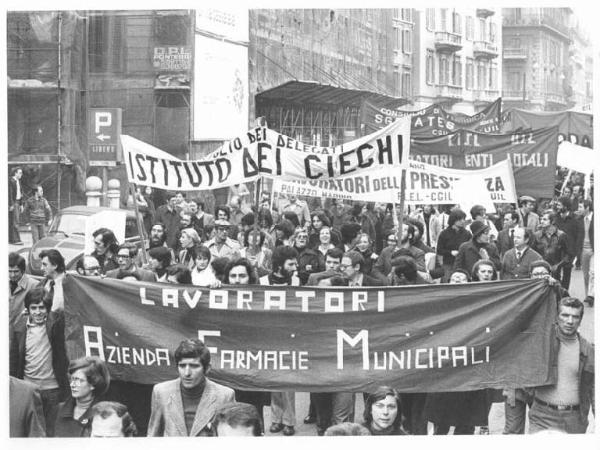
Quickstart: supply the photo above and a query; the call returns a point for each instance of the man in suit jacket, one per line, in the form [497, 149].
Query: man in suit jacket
[516, 261]
[505, 239]
[26, 412]
[126, 257]
[187, 405]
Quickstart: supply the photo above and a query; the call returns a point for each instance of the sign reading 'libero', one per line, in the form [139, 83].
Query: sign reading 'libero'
[416, 338]
[104, 133]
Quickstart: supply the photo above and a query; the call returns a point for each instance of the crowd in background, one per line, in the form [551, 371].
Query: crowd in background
[297, 243]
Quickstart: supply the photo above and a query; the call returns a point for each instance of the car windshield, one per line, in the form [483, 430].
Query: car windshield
[69, 224]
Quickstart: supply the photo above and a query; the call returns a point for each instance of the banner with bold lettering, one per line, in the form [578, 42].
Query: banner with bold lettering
[264, 152]
[532, 154]
[433, 120]
[428, 338]
[573, 126]
[425, 184]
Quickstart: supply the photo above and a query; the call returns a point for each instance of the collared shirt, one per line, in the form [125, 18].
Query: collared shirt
[358, 281]
[19, 194]
[229, 249]
[58, 300]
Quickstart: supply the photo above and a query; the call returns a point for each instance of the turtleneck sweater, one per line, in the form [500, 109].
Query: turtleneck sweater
[191, 399]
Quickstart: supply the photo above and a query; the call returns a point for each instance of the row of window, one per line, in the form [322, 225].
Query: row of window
[453, 23]
[478, 74]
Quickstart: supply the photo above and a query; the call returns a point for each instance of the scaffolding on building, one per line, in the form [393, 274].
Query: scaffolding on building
[46, 99]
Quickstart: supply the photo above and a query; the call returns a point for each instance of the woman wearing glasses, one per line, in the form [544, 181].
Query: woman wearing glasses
[89, 379]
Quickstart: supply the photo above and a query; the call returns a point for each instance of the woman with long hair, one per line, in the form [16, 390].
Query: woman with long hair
[383, 412]
[188, 240]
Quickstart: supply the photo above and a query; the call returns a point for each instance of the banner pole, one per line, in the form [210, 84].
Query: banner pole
[567, 178]
[399, 215]
[257, 193]
[140, 224]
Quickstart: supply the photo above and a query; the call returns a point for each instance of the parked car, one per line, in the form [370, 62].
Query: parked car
[67, 235]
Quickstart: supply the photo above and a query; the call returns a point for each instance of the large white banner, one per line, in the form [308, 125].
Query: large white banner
[575, 157]
[425, 184]
[264, 152]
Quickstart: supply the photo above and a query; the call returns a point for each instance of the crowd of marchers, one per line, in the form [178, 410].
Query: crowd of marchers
[299, 243]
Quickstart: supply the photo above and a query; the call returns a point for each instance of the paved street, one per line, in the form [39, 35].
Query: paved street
[496, 418]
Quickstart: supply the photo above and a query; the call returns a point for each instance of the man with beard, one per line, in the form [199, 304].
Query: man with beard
[383, 265]
[105, 249]
[479, 247]
[283, 407]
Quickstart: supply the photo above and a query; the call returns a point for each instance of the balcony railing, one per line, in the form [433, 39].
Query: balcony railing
[514, 53]
[555, 98]
[543, 19]
[486, 95]
[484, 49]
[445, 40]
[449, 91]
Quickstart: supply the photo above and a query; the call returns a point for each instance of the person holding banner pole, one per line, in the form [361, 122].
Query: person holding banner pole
[240, 272]
[140, 222]
[283, 404]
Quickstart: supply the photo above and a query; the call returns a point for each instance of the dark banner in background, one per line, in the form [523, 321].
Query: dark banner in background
[532, 154]
[416, 339]
[433, 120]
[576, 127]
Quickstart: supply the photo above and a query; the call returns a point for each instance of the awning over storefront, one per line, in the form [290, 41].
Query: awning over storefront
[312, 92]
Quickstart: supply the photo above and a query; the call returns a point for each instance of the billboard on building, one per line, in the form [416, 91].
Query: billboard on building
[220, 98]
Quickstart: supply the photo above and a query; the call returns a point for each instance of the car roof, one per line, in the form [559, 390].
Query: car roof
[85, 210]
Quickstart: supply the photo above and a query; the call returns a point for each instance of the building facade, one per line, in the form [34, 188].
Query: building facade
[581, 68]
[458, 61]
[537, 73]
[311, 69]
